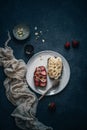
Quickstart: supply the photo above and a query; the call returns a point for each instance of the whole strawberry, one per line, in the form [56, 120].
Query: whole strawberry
[52, 106]
[67, 45]
[75, 43]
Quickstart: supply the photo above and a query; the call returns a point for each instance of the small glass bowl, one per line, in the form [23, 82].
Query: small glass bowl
[21, 32]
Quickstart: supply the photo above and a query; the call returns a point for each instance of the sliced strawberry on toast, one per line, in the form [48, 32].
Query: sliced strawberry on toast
[40, 76]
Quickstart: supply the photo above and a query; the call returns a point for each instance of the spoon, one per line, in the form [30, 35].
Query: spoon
[55, 83]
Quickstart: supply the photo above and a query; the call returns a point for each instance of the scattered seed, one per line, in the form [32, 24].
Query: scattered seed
[35, 28]
[43, 40]
[40, 32]
[37, 37]
[36, 33]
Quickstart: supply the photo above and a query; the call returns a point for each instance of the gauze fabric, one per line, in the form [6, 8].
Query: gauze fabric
[18, 92]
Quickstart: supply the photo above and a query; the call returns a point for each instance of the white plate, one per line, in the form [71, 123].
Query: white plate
[40, 59]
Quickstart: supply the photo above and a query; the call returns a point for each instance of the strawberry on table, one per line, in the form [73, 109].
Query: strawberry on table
[75, 43]
[52, 106]
[67, 45]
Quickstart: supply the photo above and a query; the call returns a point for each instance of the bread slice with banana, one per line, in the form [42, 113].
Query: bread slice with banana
[54, 67]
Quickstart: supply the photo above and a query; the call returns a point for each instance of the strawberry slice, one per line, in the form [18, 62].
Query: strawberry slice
[43, 72]
[36, 79]
[43, 84]
[38, 69]
[36, 72]
[37, 84]
[43, 76]
[42, 68]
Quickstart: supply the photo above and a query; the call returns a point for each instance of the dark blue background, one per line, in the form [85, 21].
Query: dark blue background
[65, 20]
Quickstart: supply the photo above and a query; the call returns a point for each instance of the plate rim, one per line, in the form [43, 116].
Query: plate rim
[54, 52]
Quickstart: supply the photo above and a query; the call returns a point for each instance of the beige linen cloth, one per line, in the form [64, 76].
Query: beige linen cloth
[18, 92]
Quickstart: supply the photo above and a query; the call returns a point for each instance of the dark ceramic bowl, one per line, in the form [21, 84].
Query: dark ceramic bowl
[29, 49]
